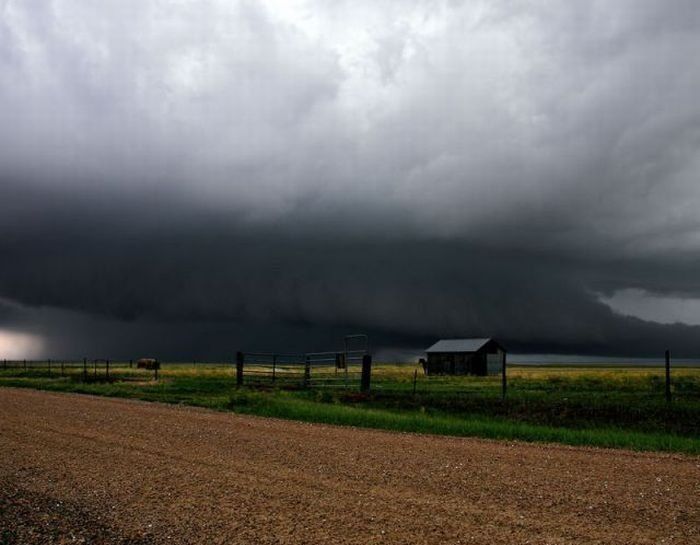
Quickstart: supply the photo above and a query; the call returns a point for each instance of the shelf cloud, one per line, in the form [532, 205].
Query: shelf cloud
[198, 177]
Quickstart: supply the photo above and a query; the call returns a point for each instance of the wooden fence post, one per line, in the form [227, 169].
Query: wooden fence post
[240, 360]
[274, 367]
[504, 382]
[156, 366]
[63, 374]
[131, 363]
[94, 362]
[415, 379]
[307, 372]
[49, 362]
[25, 365]
[366, 373]
[85, 369]
[668, 376]
[107, 369]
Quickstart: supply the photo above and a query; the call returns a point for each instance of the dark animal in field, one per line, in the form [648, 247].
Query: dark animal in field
[147, 363]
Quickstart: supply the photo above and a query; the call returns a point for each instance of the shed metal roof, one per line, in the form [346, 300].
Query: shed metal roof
[457, 345]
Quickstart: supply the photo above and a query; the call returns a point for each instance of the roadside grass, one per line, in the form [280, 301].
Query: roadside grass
[617, 408]
[285, 406]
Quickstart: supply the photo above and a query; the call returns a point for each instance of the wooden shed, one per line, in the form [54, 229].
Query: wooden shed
[465, 357]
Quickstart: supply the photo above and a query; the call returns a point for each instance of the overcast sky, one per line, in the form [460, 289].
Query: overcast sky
[189, 178]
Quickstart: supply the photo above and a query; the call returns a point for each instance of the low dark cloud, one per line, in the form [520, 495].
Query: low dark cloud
[215, 176]
[203, 286]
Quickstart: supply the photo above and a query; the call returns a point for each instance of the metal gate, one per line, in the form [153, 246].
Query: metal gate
[335, 369]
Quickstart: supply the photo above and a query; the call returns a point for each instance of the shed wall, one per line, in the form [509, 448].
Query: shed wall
[488, 360]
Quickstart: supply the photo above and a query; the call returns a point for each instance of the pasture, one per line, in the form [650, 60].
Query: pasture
[597, 405]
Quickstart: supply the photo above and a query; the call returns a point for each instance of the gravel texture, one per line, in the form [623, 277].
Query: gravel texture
[81, 469]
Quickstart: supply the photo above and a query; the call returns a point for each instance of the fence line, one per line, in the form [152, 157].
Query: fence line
[350, 371]
[656, 381]
[87, 369]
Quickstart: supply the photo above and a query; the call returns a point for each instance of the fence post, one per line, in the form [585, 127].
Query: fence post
[4, 365]
[274, 367]
[49, 362]
[668, 376]
[85, 369]
[504, 383]
[131, 363]
[95, 366]
[307, 371]
[107, 369]
[240, 359]
[63, 374]
[415, 379]
[156, 366]
[25, 365]
[366, 373]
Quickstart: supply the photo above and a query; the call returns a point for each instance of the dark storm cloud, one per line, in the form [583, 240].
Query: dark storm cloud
[208, 286]
[202, 176]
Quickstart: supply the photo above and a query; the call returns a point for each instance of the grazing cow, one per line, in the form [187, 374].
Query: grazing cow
[147, 363]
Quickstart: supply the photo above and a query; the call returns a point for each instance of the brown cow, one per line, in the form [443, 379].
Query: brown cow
[147, 363]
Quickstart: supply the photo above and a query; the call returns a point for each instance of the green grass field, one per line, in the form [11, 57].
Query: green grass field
[595, 406]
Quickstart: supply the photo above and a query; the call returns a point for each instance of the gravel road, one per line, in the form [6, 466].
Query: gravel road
[81, 469]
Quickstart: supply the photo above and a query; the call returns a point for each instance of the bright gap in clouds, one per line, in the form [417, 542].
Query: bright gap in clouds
[15, 345]
[654, 308]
